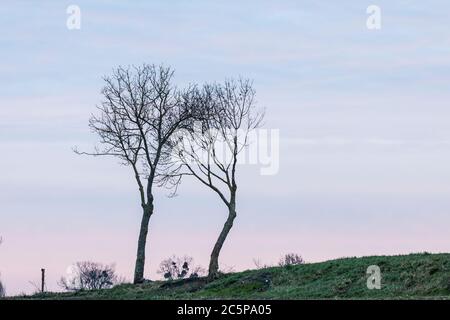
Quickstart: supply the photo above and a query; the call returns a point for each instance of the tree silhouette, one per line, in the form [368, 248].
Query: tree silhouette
[210, 151]
[140, 111]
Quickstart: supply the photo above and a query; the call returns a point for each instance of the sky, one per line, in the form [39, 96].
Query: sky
[363, 117]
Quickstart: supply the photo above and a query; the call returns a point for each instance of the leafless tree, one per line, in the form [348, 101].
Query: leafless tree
[210, 152]
[140, 111]
[88, 275]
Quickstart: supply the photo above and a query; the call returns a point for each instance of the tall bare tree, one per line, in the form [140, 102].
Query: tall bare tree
[210, 151]
[140, 111]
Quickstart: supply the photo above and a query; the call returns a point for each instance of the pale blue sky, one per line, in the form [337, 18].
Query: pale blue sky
[363, 116]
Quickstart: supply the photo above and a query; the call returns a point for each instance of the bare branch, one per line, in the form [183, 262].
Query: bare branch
[228, 116]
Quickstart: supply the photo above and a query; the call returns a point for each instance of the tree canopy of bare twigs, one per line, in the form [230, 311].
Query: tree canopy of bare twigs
[140, 111]
[89, 275]
[209, 152]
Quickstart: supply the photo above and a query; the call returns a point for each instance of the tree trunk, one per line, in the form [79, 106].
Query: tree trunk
[214, 262]
[140, 258]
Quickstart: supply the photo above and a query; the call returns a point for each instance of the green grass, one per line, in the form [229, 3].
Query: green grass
[414, 276]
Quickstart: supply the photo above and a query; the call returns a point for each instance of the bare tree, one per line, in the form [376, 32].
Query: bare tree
[210, 153]
[140, 111]
[88, 275]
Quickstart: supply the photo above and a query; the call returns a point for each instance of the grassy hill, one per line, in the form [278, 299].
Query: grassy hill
[403, 277]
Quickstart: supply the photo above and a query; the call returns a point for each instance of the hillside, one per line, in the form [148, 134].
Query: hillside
[403, 277]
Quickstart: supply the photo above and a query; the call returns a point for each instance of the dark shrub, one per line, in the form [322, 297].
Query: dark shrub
[179, 268]
[291, 259]
[89, 275]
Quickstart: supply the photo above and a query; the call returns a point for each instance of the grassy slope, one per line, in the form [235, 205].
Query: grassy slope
[408, 276]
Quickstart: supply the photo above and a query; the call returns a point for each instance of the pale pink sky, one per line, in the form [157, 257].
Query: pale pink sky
[363, 117]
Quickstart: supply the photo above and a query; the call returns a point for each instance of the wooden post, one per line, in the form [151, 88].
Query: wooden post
[42, 280]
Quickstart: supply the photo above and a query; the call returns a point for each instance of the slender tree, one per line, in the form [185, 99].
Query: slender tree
[140, 111]
[209, 151]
